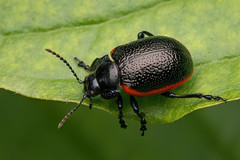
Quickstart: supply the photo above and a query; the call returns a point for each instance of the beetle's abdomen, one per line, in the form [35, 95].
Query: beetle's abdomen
[156, 64]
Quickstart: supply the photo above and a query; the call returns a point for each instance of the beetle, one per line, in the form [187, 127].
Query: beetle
[148, 66]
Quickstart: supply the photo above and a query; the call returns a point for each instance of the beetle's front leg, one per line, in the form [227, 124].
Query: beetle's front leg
[134, 105]
[120, 107]
[82, 64]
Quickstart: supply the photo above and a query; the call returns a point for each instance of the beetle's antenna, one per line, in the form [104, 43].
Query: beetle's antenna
[65, 61]
[69, 113]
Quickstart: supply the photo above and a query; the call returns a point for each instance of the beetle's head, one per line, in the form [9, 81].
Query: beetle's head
[91, 86]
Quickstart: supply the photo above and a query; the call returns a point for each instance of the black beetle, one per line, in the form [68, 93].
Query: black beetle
[145, 67]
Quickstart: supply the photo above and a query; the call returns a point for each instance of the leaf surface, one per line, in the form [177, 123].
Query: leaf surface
[87, 30]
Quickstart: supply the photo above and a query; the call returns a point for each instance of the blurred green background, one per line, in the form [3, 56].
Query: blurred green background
[29, 131]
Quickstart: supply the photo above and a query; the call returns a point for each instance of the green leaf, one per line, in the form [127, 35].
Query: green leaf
[209, 29]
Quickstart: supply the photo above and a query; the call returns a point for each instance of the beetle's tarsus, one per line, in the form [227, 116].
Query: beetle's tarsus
[196, 95]
[143, 128]
[210, 97]
[119, 102]
[143, 33]
[122, 123]
[82, 64]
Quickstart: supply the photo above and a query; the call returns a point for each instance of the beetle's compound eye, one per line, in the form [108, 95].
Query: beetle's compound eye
[91, 87]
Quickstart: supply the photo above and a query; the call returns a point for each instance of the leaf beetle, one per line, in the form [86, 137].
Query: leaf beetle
[148, 66]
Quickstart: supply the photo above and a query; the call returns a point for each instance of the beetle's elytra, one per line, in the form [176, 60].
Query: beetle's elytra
[148, 66]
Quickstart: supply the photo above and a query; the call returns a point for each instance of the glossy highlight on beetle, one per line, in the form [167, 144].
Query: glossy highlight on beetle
[148, 66]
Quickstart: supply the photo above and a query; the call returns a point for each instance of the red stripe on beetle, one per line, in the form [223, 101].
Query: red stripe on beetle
[134, 92]
[112, 51]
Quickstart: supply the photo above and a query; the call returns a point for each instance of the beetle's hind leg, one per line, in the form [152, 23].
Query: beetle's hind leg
[136, 110]
[120, 107]
[197, 95]
[141, 34]
[82, 64]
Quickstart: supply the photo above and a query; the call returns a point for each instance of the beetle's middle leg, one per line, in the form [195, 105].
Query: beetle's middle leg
[82, 64]
[136, 110]
[141, 34]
